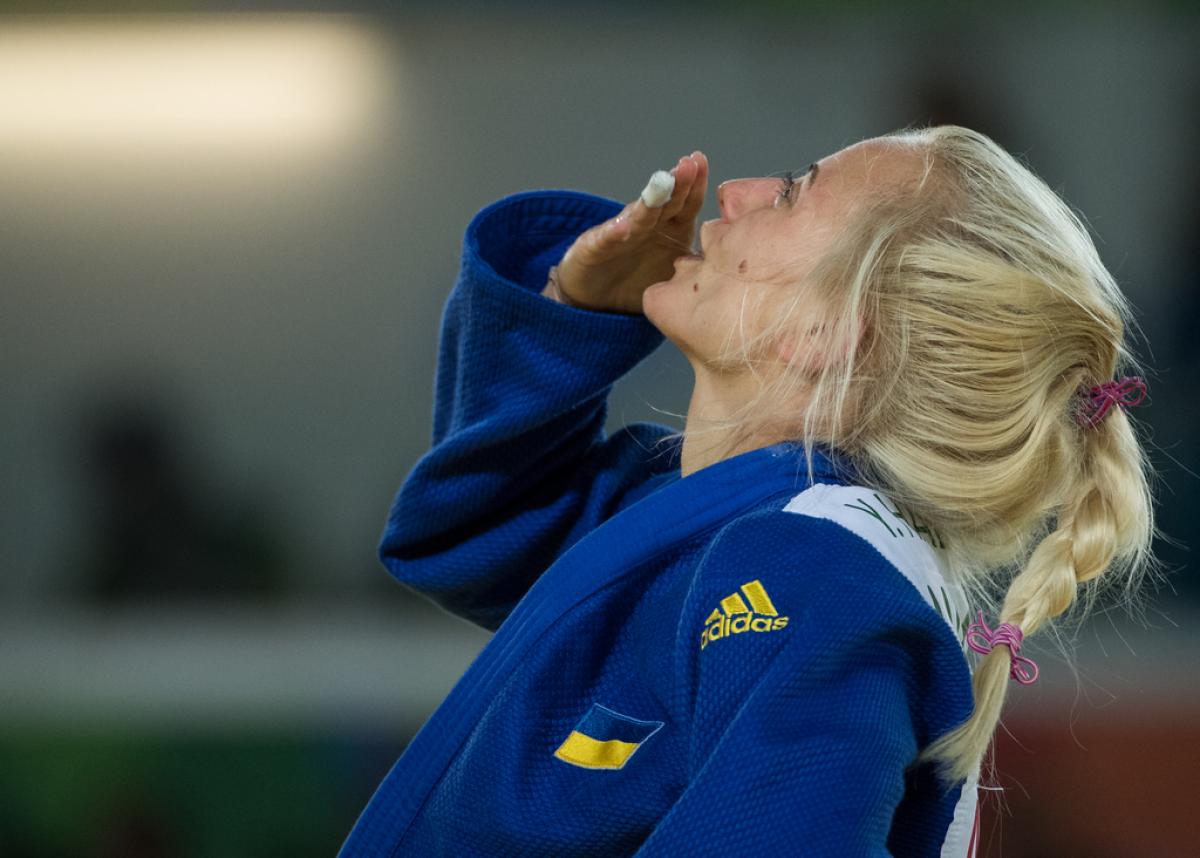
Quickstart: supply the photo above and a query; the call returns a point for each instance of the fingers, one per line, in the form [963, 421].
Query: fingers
[688, 173]
[642, 217]
[690, 206]
[691, 181]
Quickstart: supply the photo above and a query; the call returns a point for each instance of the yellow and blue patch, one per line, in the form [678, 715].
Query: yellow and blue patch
[604, 739]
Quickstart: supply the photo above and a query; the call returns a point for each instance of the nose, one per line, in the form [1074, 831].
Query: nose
[736, 196]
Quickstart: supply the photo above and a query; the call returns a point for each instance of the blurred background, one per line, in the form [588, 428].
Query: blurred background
[226, 237]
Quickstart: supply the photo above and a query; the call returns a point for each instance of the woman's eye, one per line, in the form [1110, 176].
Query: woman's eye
[785, 195]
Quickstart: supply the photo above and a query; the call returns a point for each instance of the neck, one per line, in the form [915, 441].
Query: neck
[716, 397]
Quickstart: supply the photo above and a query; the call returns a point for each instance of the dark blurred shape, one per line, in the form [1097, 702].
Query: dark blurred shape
[135, 829]
[1174, 413]
[943, 89]
[103, 793]
[156, 531]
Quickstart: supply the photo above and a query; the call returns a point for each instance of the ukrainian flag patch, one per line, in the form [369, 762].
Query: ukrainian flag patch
[604, 739]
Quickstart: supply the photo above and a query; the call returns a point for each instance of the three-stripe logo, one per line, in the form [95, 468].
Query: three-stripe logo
[734, 616]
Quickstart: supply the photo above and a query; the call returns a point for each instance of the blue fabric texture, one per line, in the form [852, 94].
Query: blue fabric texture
[604, 718]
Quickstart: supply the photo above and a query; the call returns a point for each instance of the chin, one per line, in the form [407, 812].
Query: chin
[652, 304]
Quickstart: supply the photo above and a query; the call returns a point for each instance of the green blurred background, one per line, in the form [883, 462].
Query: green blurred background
[227, 231]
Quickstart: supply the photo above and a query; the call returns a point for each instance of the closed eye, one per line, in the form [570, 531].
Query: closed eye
[787, 194]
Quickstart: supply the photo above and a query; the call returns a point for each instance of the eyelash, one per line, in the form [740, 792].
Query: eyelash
[789, 184]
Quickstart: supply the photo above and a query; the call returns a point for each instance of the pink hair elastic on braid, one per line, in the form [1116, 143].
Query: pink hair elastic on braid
[1125, 393]
[1023, 670]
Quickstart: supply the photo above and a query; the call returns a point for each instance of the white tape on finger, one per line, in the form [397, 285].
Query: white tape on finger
[658, 190]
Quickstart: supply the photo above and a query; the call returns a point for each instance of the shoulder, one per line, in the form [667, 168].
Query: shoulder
[838, 545]
[911, 547]
[788, 588]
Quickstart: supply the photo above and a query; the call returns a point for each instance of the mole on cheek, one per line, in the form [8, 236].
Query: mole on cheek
[742, 267]
[695, 287]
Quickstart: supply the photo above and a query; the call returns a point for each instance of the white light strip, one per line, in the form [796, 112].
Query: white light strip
[231, 665]
[229, 82]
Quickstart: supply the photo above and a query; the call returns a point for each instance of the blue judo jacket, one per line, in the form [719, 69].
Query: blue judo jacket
[735, 662]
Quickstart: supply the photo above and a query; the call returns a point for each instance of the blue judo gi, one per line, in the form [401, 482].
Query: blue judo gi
[734, 662]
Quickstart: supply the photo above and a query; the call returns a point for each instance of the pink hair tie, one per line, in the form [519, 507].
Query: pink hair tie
[1126, 393]
[1023, 670]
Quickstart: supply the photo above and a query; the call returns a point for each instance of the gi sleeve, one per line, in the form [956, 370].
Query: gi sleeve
[519, 468]
[802, 735]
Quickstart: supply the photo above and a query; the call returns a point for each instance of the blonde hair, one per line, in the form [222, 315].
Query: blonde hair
[971, 308]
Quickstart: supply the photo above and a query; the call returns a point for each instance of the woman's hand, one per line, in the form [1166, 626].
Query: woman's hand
[613, 263]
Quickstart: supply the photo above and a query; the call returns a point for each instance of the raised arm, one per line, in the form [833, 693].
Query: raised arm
[520, 467]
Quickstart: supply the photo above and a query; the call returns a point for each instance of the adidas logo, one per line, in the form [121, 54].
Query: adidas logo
[733, 617]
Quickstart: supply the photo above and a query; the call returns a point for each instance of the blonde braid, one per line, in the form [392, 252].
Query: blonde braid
[1107, 522]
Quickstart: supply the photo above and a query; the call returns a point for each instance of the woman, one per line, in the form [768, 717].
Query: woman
[753, 634]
